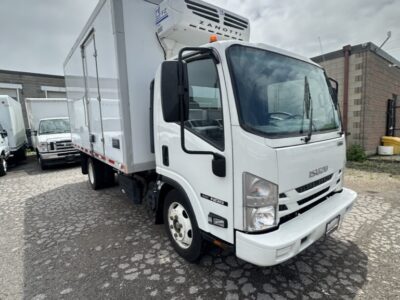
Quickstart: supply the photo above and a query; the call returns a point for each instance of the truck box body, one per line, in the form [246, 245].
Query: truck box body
[128, 55]
[12, 121]
[44, 108]
[120, 53]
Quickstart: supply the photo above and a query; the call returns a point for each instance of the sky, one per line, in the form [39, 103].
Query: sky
[36, 35]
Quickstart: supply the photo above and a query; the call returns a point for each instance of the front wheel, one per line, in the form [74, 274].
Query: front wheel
[3, 166]
[181, 226]
[42, 163]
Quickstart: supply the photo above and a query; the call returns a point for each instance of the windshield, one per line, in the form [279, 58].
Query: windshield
[54, 126]
[275, 93]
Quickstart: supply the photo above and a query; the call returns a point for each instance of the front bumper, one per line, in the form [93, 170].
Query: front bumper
[294, 236]
[60, 157]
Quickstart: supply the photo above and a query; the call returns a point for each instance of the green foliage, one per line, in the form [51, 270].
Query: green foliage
[356, 153]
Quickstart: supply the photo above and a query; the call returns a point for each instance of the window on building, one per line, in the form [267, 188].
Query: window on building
[54, 91]
[359, 66]
[11, 89]
[358, 78]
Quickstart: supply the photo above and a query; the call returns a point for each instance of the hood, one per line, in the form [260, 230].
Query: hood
[54, 137]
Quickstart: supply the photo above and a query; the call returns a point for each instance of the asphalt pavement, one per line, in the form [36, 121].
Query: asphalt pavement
[61, 240]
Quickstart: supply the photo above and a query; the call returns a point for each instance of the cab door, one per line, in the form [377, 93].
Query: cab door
[92, 95]
[207, 129]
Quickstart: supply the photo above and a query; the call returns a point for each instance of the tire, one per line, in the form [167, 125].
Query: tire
[100, 175]
[21, 154]
[42, 163]
[94, 174]
[3, 166]
[181, 226]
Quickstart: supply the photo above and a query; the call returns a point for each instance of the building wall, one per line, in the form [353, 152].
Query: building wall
[31, 85]
[383, 82]
[371, 83]
[335, 69]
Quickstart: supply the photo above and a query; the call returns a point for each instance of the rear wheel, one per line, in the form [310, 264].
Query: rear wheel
[20, 155]
[100, 175]
[3, 166]
[181, 226]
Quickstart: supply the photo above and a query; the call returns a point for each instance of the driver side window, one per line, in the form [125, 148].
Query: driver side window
[205, 107]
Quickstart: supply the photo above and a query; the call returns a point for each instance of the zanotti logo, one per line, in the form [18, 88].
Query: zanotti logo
[318, 171]
[226, 30]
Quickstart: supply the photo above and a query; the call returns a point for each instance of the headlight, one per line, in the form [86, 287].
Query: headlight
[260, 203]
[42, 147]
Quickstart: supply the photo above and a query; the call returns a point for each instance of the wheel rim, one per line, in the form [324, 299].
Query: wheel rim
[91, 172]
[4, 165]
[180, 225]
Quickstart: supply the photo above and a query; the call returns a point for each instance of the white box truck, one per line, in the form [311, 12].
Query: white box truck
[50, 131]
[231, 142]
[12, 121]
[4, 151]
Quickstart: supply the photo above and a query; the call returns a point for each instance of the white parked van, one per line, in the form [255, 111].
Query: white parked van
[232, 142]
[4, 151]
[50, 131]
[12, 122]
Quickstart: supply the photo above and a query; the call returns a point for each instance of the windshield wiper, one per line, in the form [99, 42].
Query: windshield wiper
[309, 108]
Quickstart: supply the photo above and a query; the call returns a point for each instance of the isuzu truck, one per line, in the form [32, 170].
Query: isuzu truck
[235, 143]
[50, 131]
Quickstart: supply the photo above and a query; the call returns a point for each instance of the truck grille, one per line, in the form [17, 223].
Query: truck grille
[298, 200]
[61, 145]
[313, 184]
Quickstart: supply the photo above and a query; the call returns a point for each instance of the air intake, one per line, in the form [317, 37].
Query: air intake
[203, 11]
[235, 22]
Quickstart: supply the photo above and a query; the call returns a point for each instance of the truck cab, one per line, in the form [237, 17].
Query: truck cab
[4, 151]
[252, 134]
[52, 142]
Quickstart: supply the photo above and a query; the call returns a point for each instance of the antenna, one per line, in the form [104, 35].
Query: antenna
[322, 52]
[389, 34]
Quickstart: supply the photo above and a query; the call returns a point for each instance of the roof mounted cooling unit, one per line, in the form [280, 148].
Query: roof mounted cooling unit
[191, 23]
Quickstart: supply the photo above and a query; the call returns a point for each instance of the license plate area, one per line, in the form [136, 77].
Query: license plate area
[332, 225]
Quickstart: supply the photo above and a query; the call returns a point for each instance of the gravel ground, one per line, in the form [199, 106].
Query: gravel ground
[61, 240]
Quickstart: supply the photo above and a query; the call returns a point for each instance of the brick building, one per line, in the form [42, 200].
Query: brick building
[368, 77]
[21, 85]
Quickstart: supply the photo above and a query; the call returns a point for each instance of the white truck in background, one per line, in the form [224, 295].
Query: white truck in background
[12, 122]
[232, 142]
[4, 151]
[50, 131]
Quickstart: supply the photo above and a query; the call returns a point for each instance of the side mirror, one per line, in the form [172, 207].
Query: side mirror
[4, 134]
[335, 89]
[34, 132]
[174, 89]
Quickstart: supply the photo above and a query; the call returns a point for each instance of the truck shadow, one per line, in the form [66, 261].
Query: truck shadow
[80, 243]
[31, 167]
